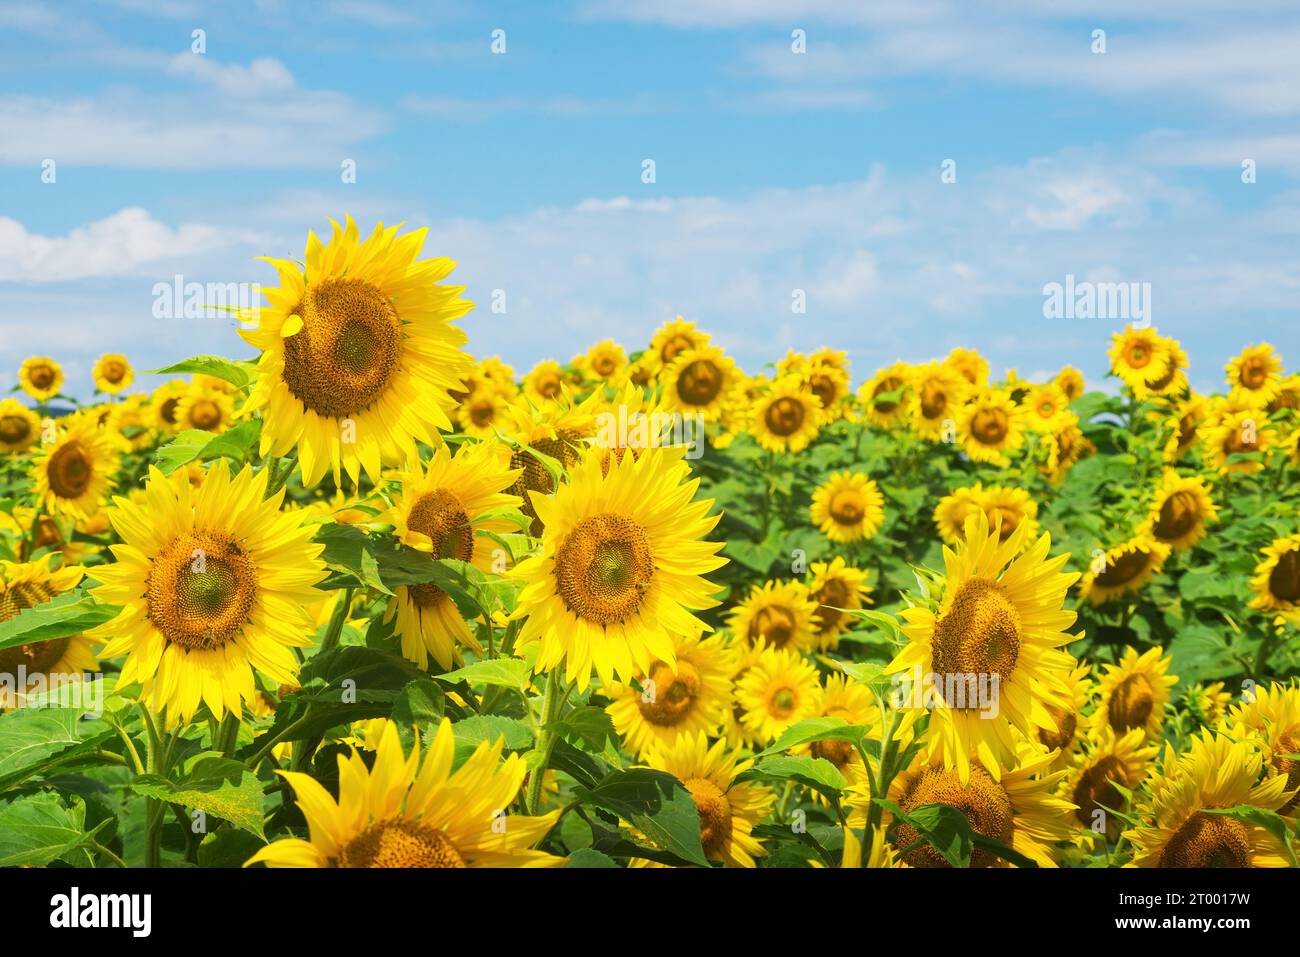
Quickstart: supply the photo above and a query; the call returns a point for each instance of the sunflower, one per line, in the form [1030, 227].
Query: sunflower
[1240, 432]
[621, 567]
[997, 633]
[163, 401]
[20, 427]
[1138, 356]
[1173, 382]
[1206, 703]
[545, 382]
[699, 381]
[1070, 381]
[40, 377]
[974, 368]
[779, 690]
[1288, 395]
[1133, 693]
[785, 418]
[358, 353]
[1185, 425]
[1065, 447]
[603, 361]
[492, 373]
[735, 730]
[836, 588]
[847, 507]
[131, 420]
[1180, 511]
[1045, 407]
[414, 811]
[729, 810]
[112, 373]
[1008, 509]
[1017, 807]
[445, 510]
[1255, 376]
[557, 431]
[884, 396]
[1108, 759]
[1176, 827]
[1068, 735]
[1123, 568]
[989, 425]
[40, 665]
[1273, 714]
[482, 412]
[72, 475]
[937, 393]
[670, 340]
[830, 383]
[777, 614]
[954, 508]
[213, 583]
[206, 410]
[843, 697]
[689, 698]
[1277, 579]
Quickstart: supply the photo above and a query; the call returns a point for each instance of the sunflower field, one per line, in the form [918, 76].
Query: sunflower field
[355, 598]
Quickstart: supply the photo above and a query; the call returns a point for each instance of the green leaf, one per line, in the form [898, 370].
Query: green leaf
[816, 773]
[815, 729]
[1270, 821]
[420, 702]
[31, 738]
[215, 785]
[239, 444]
[947, 830]
[589, 724]
[588, 857]
[505, 672]
[60, 617]
[474, 730]
[39, 829]
[215, 366]
[656, 804]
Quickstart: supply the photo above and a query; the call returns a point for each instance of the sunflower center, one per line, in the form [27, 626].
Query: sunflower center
[1066, 725]
[1096, 788]
[1137, 355]
[549, 385]
[847, 507]
[1208, 840]
[1124, 569]
[784, 416]
[167, 411]
[345, 355]
[980, 635]
[41, 376]
[440, 515]
[772, 624]
[400, 843]
[38, 656]
[14, 429]
[675, 695]
[782, 701]
[1131, 703]
[482, 412]
[200, 590]
[1284, 579]
[990, 426]
[70, 470]
[934, 400]
[113, 371]
[1288, 743]
[884, 388]
[823, 386]
[833, 595]
[1010, 519]
[1254, 373]
[603, 568]
[205, 414]
[983, 801]
[1179, 514]
[838, 753]
[535, 478]
[715, 815]
[700, 382]
[605, 364]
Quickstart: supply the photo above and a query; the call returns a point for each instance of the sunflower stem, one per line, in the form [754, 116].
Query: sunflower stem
[552, 699]
[227, 735]
[331, 639]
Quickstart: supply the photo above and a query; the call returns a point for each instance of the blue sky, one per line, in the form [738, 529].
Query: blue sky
[775, 171]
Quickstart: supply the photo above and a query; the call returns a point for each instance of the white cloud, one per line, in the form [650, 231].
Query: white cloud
[264, 75]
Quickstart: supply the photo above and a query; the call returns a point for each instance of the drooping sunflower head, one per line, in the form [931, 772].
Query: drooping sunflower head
[884, 396]
[776, 614]
[1180, 510]
[41, 664]
[621, 568]
[728, 810]
[1255, 376]
[40, 377]
[1184, 425]
[20, 427]
[112, 373]
[991, 651]
[1277, 579]
[1071, 382]
[163, 402]
[1171, 383]
[1133, 693]
[1177, 827]
[415, 811]
[937, 393]
[1064, 447]
[545, 383]
[974, 368]
[213, 583]
[1045, 407]
[358, 353]
[836, 588]
[779, 690]
[847, 507]
[989, 425]
[786, 417]
[687, 698]
[73, 474]
[699, 381]
[449, 509]
[1123, 568]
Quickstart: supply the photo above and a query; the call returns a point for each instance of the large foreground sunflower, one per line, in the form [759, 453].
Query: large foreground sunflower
[442, 510]
[414, 811]
[621, 567]
[213, 584]
[1000, 625]
[358, 353]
